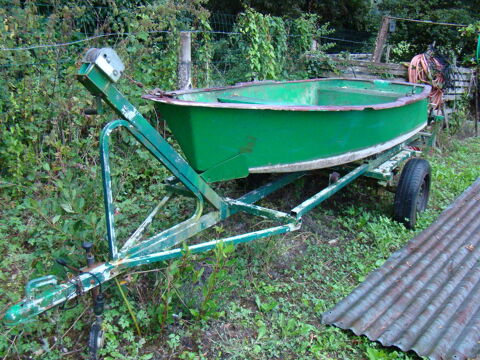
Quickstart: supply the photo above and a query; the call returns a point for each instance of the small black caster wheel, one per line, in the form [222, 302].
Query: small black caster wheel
[412, 192]
[95, 340]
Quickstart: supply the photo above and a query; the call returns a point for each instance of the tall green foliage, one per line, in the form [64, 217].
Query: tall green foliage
[470, 34]
[257, 45]
[350, 14]
[202, 56]
[419, 35]
[41, 105]
[276, 48]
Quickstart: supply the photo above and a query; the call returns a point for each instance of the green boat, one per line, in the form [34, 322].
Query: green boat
[266, 127]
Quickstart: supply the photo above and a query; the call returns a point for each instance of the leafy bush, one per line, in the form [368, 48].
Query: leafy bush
[275, 48]
[419, 35]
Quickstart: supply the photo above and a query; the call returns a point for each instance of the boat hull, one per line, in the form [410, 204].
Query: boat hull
[273, 137]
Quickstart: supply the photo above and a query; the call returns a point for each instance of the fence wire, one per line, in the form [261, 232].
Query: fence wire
[34, 66]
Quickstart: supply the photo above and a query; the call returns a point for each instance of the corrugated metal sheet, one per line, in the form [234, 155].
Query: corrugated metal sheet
[426, 297]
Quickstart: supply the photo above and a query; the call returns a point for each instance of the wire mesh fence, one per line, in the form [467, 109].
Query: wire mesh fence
[35, 58]
[222, 33]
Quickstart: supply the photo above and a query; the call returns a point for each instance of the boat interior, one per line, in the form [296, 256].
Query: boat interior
[329, 92]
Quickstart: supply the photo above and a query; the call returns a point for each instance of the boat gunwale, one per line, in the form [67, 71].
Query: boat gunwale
[169, 97]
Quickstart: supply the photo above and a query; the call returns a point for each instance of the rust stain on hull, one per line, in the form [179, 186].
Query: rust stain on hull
[426, 297]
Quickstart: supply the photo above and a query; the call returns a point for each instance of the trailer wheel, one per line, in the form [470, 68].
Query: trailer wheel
[95, 340]
[412, 192]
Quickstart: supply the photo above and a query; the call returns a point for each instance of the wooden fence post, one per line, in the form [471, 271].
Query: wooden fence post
[381, 39]
[185, 61]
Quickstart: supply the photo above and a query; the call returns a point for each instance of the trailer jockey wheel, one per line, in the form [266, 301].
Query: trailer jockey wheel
[412, 192]
[96, 340]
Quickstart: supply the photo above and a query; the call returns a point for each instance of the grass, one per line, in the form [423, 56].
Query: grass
[273, 290]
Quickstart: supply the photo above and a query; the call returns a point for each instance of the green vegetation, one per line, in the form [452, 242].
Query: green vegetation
[262, 301]
[275, 48]
[41, 107]
[359, 20]
[418, 36]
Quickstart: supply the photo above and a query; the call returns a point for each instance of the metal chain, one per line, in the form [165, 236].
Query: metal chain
[133, 81]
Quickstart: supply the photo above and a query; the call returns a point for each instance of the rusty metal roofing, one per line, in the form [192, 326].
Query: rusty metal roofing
[426, 297]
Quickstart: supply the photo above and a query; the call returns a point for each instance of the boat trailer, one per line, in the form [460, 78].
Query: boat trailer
[99, 72]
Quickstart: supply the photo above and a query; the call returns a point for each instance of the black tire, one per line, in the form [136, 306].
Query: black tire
[412, 192]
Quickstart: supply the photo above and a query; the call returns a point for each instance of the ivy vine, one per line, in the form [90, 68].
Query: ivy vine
[275, 48]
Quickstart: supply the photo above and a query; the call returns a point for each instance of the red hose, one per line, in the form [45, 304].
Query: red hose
[420, 71]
